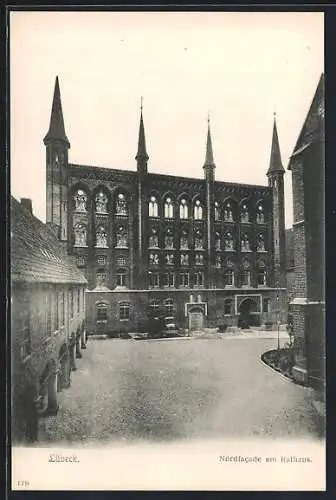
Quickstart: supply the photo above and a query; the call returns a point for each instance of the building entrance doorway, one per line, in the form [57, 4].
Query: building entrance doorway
[248, 313]
[196, 319]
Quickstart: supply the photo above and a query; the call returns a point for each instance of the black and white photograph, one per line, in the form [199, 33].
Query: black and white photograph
[167, 255]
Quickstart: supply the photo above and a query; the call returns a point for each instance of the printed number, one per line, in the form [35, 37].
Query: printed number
[23, 484]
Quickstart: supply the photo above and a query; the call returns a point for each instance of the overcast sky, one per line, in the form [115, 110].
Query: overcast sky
[238, 66]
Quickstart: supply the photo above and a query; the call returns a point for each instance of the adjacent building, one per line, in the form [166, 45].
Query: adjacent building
[307, 165]
[47, 319]
[197, 250]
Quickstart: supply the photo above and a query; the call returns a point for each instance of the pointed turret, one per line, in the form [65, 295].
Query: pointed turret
[56, 130]
[142, 156]
[275, 160]
[209, 159]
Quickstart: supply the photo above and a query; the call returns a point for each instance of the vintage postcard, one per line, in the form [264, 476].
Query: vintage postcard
[167, 250]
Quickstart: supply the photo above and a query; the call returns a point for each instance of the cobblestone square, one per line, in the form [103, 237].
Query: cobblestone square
[181, 389]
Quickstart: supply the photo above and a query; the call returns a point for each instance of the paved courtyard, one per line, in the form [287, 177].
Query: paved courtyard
[180, 389]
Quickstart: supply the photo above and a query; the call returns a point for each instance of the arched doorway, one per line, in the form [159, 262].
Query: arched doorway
[248, 313]
[196, 318]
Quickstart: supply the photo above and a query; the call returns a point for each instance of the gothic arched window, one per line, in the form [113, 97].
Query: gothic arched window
[101, 237]
[217, 242]
[199, 242]
[80, 233]
[169, 239]
[101, 203]
[198, 210]
[153, 209]
[121, 237]
[184, 209]
[260, 243]
[80, 199]
[154, 259]
[184, 244]
[245, 245]
[228, 242]
[121, 204]
[153, 239]
[245, 274]
[260, 215]
[244, 214]
[228, 213]
[217, 211]
[168, 208]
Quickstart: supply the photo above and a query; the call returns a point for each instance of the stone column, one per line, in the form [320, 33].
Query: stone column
[73, 366]
[78, 352]
[52, 391]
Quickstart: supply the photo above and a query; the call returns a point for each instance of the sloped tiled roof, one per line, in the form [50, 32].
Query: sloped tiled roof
[36, 253]
[312, 129]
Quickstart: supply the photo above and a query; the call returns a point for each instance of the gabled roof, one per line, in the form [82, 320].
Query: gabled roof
[313, 124]
[36, 253]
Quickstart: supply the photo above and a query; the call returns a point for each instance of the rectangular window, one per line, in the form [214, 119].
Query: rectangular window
[121, 278]
[153, 280]
[266, 305]
[101, 314]
[261, 278]
[228, 306]
[245, 278]
[124, 311]
[169, 279]
[184, 279]
[199, 279]
[80, 260]
[101, 260]
[229, 278]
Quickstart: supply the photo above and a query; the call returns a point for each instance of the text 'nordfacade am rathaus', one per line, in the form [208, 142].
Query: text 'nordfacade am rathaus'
[200, 251]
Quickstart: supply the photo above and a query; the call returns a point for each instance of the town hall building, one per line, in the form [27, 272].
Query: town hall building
[200, 251]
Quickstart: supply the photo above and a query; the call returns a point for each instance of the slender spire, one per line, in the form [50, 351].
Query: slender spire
[275, 160]
[142, 153]
[209, 160]
[56, 128]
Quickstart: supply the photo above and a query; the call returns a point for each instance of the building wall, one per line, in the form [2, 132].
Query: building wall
[39, 339]
[212, 303]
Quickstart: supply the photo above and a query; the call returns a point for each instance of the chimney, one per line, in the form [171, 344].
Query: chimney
[27, 203]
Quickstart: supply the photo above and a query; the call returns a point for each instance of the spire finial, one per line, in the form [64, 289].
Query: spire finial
[208, 118]
[274, 112]
[141, 105]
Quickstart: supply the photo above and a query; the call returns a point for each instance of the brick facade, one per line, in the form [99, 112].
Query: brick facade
[47, 321]
[308, 304]
[135, 234]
